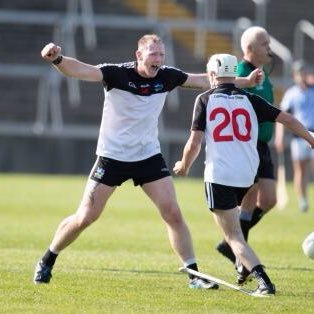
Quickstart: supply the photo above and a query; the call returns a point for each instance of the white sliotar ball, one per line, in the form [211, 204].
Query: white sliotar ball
[308, 246]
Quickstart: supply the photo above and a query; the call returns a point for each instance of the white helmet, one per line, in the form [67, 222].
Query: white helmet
[223, 65]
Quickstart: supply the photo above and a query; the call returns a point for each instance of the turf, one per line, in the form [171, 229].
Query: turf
[123, 263]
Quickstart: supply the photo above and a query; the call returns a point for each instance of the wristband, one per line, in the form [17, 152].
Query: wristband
[58, 60]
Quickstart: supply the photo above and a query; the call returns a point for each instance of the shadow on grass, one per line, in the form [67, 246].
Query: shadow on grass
[291, 268]
[134, 271]
[160, 272]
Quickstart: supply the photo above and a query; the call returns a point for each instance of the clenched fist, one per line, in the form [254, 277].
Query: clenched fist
[51, 52]
[179, 169]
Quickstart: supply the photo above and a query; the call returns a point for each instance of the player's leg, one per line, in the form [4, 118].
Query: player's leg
[93, 201]
[259, 199]
[162, 193]
[228, 221]
[92, 204]
[266, 194]
[266, 197]
[261, 193]
[246, 213]
[301, 158]
[300, 182]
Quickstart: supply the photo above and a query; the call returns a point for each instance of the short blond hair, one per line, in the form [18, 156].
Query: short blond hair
[148, 38]
[250, 35]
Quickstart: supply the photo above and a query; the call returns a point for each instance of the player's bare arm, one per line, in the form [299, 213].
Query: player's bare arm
[295, 126]
[201, 80]
[191, 150]
[69, 66]
[197, 81]
[253, 79]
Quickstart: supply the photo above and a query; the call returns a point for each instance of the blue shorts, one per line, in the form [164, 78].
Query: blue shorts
[114, 172]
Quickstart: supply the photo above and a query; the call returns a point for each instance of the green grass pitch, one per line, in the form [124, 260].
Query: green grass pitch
[123, 263]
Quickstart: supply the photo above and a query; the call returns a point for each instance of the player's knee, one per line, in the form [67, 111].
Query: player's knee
[83, 221]
[172, 214]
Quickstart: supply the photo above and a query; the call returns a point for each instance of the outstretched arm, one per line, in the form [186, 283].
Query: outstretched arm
[253, 79]
[295, 126]
[201, 81]
[69, 66]
[190, 153]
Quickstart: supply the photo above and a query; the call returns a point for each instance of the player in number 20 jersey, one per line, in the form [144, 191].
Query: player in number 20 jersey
[229, 117]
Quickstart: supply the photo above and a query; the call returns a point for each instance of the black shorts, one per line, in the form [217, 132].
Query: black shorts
[223, 196]
[114, 172]
[266, 167]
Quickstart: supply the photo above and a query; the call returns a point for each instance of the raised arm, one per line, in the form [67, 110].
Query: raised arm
[190, 153]
[69, 66]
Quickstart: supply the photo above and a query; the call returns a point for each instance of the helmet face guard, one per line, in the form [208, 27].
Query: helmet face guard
[223, 65]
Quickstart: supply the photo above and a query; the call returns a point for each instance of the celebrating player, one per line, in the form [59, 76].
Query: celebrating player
[128, 146]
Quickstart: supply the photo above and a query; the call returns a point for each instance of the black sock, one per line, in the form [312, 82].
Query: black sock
[245, 226]
[256, 216]
[194, 267]
[49, 258]
[259, 273]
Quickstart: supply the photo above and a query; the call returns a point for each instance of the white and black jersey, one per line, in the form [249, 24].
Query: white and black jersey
[229, 117]
[132, 105]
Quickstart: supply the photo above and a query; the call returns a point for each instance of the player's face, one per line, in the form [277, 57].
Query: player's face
[150, 58]
[300, 78]
[261, 49]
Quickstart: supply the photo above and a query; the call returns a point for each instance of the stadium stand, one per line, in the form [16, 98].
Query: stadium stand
[40, 109]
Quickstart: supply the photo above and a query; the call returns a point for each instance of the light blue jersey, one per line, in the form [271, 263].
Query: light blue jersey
[300, 103]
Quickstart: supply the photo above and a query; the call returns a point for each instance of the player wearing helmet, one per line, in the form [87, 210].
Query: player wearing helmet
[228, 118]
[261, 197]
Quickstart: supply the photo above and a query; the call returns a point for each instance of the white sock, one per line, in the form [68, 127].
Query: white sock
[53, 250]
[189, 261]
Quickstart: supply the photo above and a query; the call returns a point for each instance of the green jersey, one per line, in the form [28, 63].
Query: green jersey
[264, 90]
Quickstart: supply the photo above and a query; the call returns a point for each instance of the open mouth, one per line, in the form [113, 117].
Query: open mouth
[155, 67]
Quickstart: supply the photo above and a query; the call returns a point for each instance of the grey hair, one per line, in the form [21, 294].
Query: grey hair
[249, 36]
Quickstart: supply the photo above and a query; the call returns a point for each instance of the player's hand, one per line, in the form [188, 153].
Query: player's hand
[179, 170]
[256, 77]
[51, 52]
